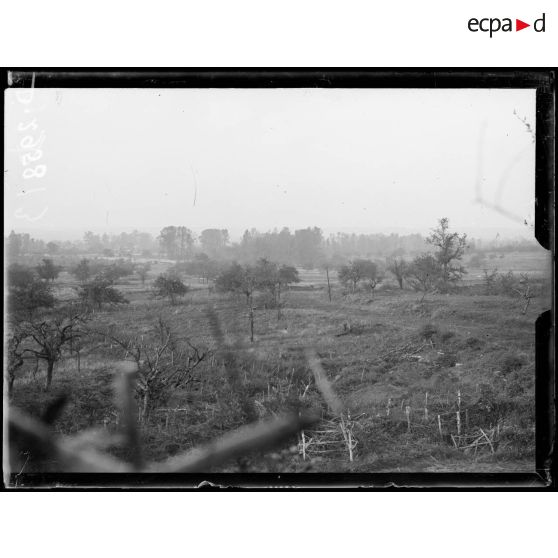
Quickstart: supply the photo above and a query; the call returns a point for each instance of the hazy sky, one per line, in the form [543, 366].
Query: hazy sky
[341, 159]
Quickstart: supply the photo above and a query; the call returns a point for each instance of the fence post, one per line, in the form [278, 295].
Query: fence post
[440, 426]
[459, 412]
[408, 413]
[426, 407]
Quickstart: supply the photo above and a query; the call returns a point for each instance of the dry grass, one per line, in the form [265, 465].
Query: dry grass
[384, 357]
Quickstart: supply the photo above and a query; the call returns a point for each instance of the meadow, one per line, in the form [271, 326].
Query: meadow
[446, 384]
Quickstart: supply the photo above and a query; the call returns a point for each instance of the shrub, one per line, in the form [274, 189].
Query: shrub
[428, 331]
[512, 362]
[508, 284]
[169, 286]
[445, 336]
[100, 291]
[446, 360]
[26, 292]
[474, 343]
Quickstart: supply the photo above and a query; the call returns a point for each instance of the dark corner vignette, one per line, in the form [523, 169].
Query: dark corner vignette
[544, 82]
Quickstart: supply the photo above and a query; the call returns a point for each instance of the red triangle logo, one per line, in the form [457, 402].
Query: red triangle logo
[519, 25]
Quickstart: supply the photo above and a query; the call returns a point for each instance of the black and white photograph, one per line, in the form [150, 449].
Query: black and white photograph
[270, 279]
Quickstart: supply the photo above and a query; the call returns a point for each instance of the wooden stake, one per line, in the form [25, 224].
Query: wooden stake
[303, 446]
[426, 407]
[440, 426]
[488, 440]
[458, 412]
[388, 407]
[408, 413]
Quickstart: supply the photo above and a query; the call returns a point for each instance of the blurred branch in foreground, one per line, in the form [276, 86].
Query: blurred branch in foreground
[246, 439]
[83, 452]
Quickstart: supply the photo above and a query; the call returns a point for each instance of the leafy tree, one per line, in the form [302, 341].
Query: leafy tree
[424, 274]
[14, 245]
[243, 280]
[451, 248]
[214, 240]
[286, 275]
[47, 270]
[93, 242]
[169, 286]
[490, 279]
[100, 291]
[203, 267]
[357, 271]
[142, 271]
[26, 292]
[52, 248]
[82, 272]
[116, 270]
[238, 279]
[176, 242]
[308, 247]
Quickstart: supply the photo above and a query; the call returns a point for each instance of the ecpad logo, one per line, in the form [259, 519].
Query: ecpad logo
[493, 25]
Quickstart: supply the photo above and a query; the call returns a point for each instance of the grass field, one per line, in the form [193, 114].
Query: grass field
[401, 368]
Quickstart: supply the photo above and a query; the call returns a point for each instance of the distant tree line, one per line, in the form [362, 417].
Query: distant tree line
[308, 248]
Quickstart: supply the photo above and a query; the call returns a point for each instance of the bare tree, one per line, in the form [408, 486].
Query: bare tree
[525, 291]
[399, 267]
[49, 337]
[163, 364]
[15, 356]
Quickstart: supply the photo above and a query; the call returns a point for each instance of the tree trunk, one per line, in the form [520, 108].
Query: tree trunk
[400, 281]
[50, 369]
[278, 301]
[144, 407]
[251, 324]
[328, 284]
